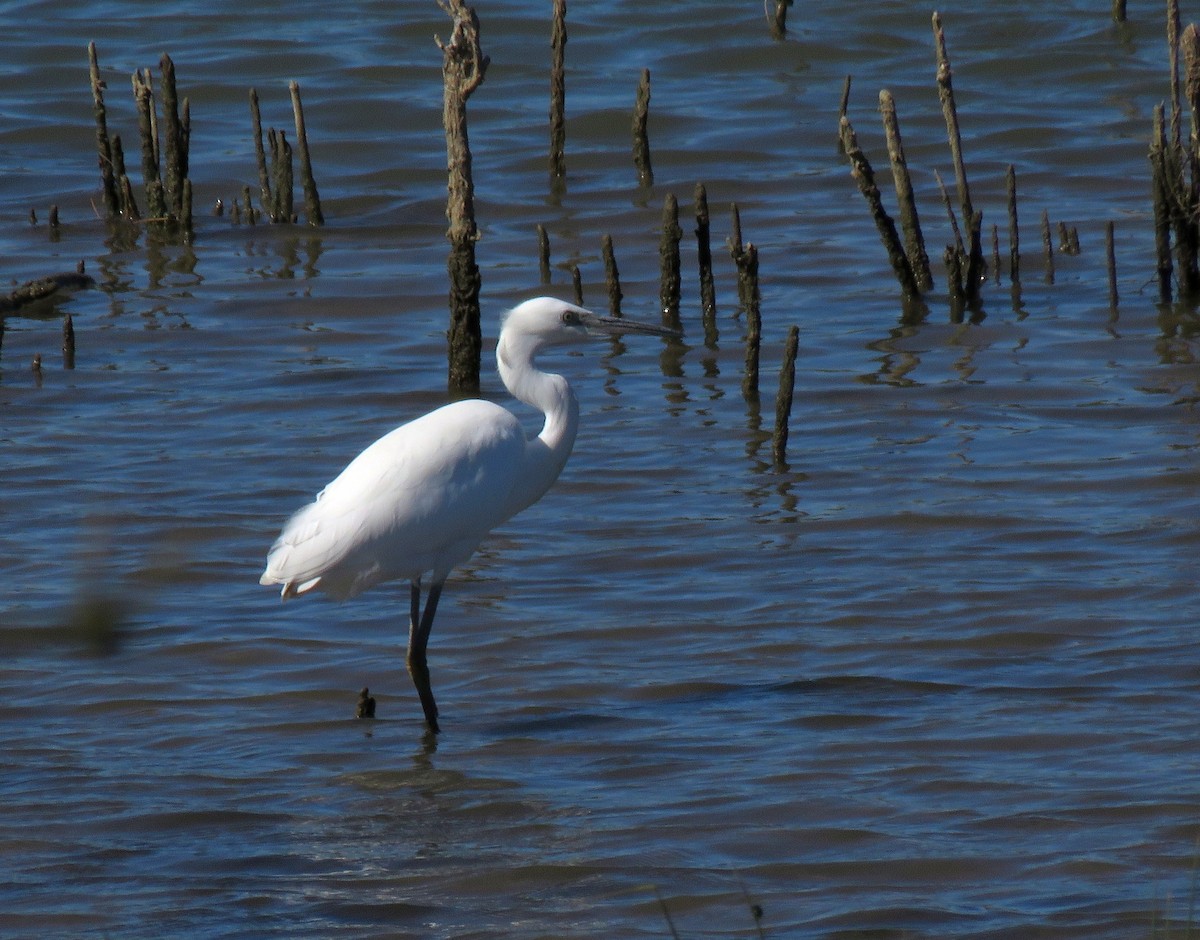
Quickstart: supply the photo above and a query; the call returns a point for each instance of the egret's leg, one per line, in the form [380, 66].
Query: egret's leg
[419, 626]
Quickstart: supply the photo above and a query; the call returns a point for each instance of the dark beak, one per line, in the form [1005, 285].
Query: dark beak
[615, 326]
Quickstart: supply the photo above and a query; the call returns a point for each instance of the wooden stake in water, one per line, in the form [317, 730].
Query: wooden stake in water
[783, 400]
[860, 168]
[954, 276]
[188, 230]
[668, 249]
[641, 138]
[1160, 171]
[577, 283]
[945, 85]
[1047, 247]
[844, 110]
[708, 293]
[973, 267]
[914, 241]
[312, 200]
[251, 213]
[753, 326]
[266, 200]
[558, 126]
[1173, 29]
[996, 251]
[543, 253]
[612, 277]
[463, 69]
[68, 343]
[1110, 252]
[129, 209]
[156, 204]
[1068, 239]
[176, 134]
[281, 172]
[1014, 235]
[108, 180]
[737, 252]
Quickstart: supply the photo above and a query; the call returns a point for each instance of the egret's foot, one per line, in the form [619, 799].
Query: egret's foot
[366, 704]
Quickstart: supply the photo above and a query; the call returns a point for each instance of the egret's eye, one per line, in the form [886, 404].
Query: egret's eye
[570, 318]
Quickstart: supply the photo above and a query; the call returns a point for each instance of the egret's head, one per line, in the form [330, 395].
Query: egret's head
[547, 321]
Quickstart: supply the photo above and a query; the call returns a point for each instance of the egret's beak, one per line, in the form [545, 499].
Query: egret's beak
[614, 326]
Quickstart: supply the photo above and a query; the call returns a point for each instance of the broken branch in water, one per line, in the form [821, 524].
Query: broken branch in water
[44, 287]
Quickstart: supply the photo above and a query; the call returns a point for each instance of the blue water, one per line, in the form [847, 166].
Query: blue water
[935, 676]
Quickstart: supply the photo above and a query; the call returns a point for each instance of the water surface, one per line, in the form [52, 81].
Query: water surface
[934, 677]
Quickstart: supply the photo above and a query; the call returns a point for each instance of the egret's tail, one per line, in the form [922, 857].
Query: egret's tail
[290, 588]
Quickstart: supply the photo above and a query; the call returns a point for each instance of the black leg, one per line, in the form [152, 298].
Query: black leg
[419, 627]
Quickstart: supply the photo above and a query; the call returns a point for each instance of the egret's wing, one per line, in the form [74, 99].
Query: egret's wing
[416, 499]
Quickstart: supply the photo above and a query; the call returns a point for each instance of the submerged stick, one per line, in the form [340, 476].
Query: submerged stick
[783, 400]
[914, 240]
[668, 249]
[612, 277]
[312, 199]
[108, 180]
[641, 139]
[463, 69]
[558, 126]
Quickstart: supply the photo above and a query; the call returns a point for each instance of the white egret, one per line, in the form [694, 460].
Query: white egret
[421, 498]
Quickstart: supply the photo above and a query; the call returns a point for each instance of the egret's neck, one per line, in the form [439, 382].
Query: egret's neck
[550, 394]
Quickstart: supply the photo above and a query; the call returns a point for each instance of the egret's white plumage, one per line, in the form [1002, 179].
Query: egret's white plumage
[422, 497]
[412, 502]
